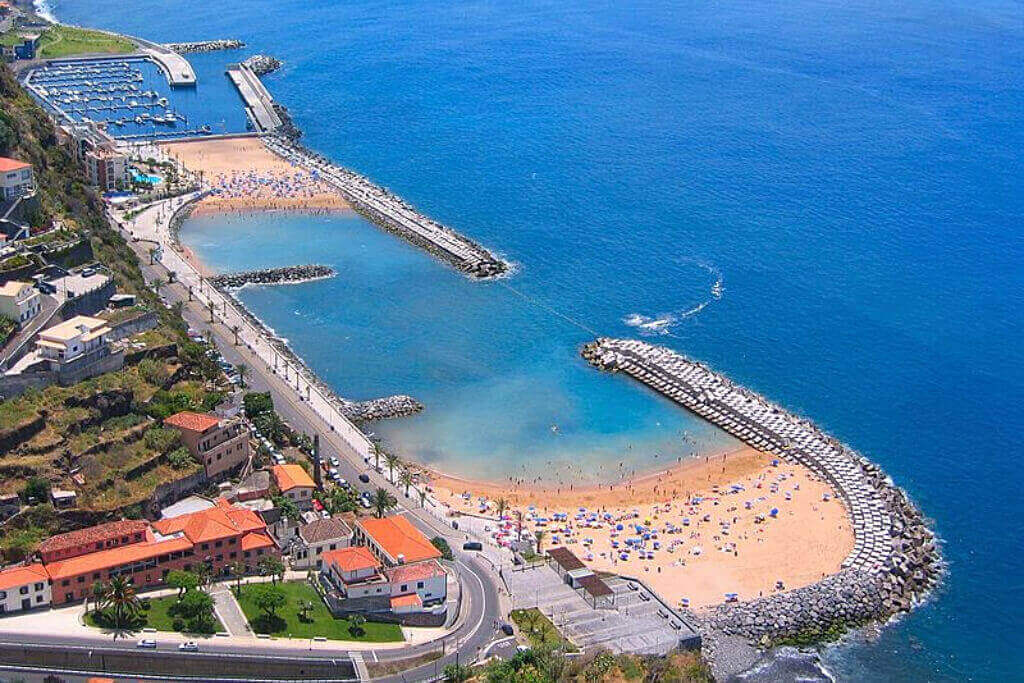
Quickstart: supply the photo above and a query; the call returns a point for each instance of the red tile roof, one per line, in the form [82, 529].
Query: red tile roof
[291, 476]
[255, 540]
[93, 535]
[220, 521]
[15, 577]
[114, 557]
[193, 422]
[399, 539]
[410, 600]
[352, 559]
[405, 573]
[8, 164]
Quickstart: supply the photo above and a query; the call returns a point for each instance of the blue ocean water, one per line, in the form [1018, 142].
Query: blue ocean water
[851, 171]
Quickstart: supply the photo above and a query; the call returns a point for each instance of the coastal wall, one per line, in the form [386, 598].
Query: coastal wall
[392, 213]
[273, 276]
[895, 560]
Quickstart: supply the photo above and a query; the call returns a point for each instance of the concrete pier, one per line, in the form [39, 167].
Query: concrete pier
[894, 557]
[259, 104]
[394, 214]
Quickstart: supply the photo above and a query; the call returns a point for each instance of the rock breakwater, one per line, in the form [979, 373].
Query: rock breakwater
[381, 408]
[205, 46]
[273, 276]
[895, 560]
[392, 213]
[261, 65]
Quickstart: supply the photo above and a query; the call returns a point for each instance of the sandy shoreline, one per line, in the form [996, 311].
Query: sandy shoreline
[244, 176]
[729, 543]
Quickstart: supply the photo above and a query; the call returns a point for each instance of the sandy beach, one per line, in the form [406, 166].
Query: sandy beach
[244, 176]
[707, 526]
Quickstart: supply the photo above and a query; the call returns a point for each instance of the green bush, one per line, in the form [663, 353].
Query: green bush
[162, 439]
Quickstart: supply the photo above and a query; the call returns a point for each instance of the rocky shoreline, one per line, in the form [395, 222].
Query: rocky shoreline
[896, 559]
[287, 275]
[205, 46]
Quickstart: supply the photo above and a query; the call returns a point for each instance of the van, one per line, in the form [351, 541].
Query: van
[473, 545]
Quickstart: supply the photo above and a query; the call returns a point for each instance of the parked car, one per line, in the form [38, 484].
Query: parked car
[365, 478]
[147, 643]
[334, 462]
[333, 472]
[507, 629]
[190, 646]
[365, 503]
[472, 545]
[342, 482]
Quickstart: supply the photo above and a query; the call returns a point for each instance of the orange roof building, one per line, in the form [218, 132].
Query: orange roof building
[352, 559]
[193, 422]
[395, 540]
[24, 587]
[92, 539]
[290, 476]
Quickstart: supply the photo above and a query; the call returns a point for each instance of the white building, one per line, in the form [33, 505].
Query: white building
[315, 539]
[23, 588]
[15, 178]
[19, 301]
[73, 339]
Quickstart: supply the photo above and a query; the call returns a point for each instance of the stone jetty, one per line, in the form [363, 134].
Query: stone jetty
[895, 561]
[205, 46]
[381, 408]
[273, 276]
[392, 213]
[261, 65]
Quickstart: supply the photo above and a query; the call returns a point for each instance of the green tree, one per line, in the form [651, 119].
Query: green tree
[257, 404]
[36, 490]
[238, 571]
[272, 567]
[392, 461]
[289, 510]
[182, 580]
[383, 502]
[538, 535]
[98, 594]
[304, 609]
[377, 452]
[356, 622]
[405, 479]
[268, 598]
[242, 370]
[121, 602]
[456, 673]
[196, 607]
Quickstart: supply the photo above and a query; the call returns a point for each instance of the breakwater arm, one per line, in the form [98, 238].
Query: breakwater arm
[895, 560]
[392, 213]
[261, 65]
[273, 276]
[205, 46]
[381, 408]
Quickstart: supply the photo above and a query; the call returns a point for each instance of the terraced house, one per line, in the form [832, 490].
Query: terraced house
[143, 551]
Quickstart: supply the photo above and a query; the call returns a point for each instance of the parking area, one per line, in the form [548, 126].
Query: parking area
[638, 622]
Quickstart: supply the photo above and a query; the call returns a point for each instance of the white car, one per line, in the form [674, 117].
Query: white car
[190, 646]
[147, 643]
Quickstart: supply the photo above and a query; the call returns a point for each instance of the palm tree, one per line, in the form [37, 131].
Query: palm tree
[243, 370]
[204, 572]
[238, 569]
[190, 292]
[502, 507]
[423, 497]
[377, 452]
[405, 479]
[539, 535]
[152, 255]
[392, 461]
[383, 501]
[209, 304]
[99, 594]
[122, 599]
[157, 284]
[235, 329]
[171, 276]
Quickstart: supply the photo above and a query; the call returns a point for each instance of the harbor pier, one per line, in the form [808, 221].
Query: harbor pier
[259, 104]
[392, 213]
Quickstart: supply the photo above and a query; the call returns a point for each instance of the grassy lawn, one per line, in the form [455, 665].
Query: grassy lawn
[539, 630]
[157, 616]
[320, 623]
[64, 41]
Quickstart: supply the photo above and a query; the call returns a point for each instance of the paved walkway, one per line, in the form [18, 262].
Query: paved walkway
[229, 612]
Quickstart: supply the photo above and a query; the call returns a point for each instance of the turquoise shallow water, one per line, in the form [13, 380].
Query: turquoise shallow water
[851, 171]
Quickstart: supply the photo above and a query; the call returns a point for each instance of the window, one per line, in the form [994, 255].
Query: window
[206, 546]
[3, 595]
[419, 584]
[96, 576]
[66, 582]
[80, 579]
[404, 588]
[245, 554]
[333, 546]
[39, 598]
[39, 586]
[218, 544]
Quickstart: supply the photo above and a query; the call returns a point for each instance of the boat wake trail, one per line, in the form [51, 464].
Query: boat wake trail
[664, 323]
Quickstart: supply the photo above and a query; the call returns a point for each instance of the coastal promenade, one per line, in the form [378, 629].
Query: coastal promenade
[394, 214]
[895, 559]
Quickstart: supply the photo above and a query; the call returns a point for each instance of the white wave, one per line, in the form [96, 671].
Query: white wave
[663, 323]
[43, 9]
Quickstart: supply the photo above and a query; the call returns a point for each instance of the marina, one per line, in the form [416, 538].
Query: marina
[125, 96]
